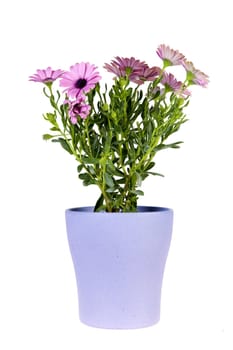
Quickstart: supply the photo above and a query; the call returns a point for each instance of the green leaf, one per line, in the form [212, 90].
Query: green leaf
[150, 166]
[156, 174]
[89, 160]
[139, 179]
[52, 102]
[84, 176]
[144, 176]
[99, 203]
[175, 145]
[64, 144]
[138, 192]
[111, 190]
[51, 117]
[47, 137]
[108, 179]
[80, 167]
[171, 145]
[88, 183]
[54, 128]
[121, 181]
[87, 179]
[113, 170]
[91, 169]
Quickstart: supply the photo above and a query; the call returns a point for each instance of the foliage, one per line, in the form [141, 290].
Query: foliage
[114, 134]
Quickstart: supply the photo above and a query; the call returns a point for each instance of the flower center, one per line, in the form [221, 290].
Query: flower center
[80, 83]
[77, 108]
[128, 70]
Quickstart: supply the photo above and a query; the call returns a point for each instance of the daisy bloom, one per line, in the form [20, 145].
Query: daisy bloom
[77, 108]
[147, 74]
[183, 92]
[170, 82]
[169, 56]
[46, 75]
[126, 67]
[195, 76]
[82, 77]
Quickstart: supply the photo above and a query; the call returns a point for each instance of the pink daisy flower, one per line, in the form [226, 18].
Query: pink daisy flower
[82, 77]
[78, 108]
[169, 56]
[147, 74]
[123, 67]
[172, 84]
[183, 92]
[195, 76]
[46, 75]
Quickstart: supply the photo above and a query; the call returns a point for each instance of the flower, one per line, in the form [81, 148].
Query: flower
[115, 132]
[147, 74]
[169, 56]
[46, 75]
[77, 108]
[195, 76]
[126, 67]
[82, 78]
[172, 84]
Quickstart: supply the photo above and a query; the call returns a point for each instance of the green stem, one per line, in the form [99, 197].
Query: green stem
[154, 143]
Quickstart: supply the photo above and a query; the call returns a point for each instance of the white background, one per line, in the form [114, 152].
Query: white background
[38, 300]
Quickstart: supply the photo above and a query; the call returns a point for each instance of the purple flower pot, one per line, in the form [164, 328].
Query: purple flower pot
[119, 260]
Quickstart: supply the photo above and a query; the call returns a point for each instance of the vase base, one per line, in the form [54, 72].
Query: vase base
[118, 326]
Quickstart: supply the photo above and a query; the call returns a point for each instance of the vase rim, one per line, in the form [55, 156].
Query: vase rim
[140, 209]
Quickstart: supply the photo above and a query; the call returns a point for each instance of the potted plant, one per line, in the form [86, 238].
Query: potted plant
[119, 248]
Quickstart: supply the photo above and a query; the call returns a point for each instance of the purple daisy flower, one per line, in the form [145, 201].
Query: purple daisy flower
[195, 76]
[46, 75]
[172, 84]
[183, 93]
[147, 74]
[126, 67]
[82, 77]
[169, 56]
[78, 108]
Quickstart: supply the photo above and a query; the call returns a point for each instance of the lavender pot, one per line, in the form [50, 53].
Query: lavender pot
[119, 261]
